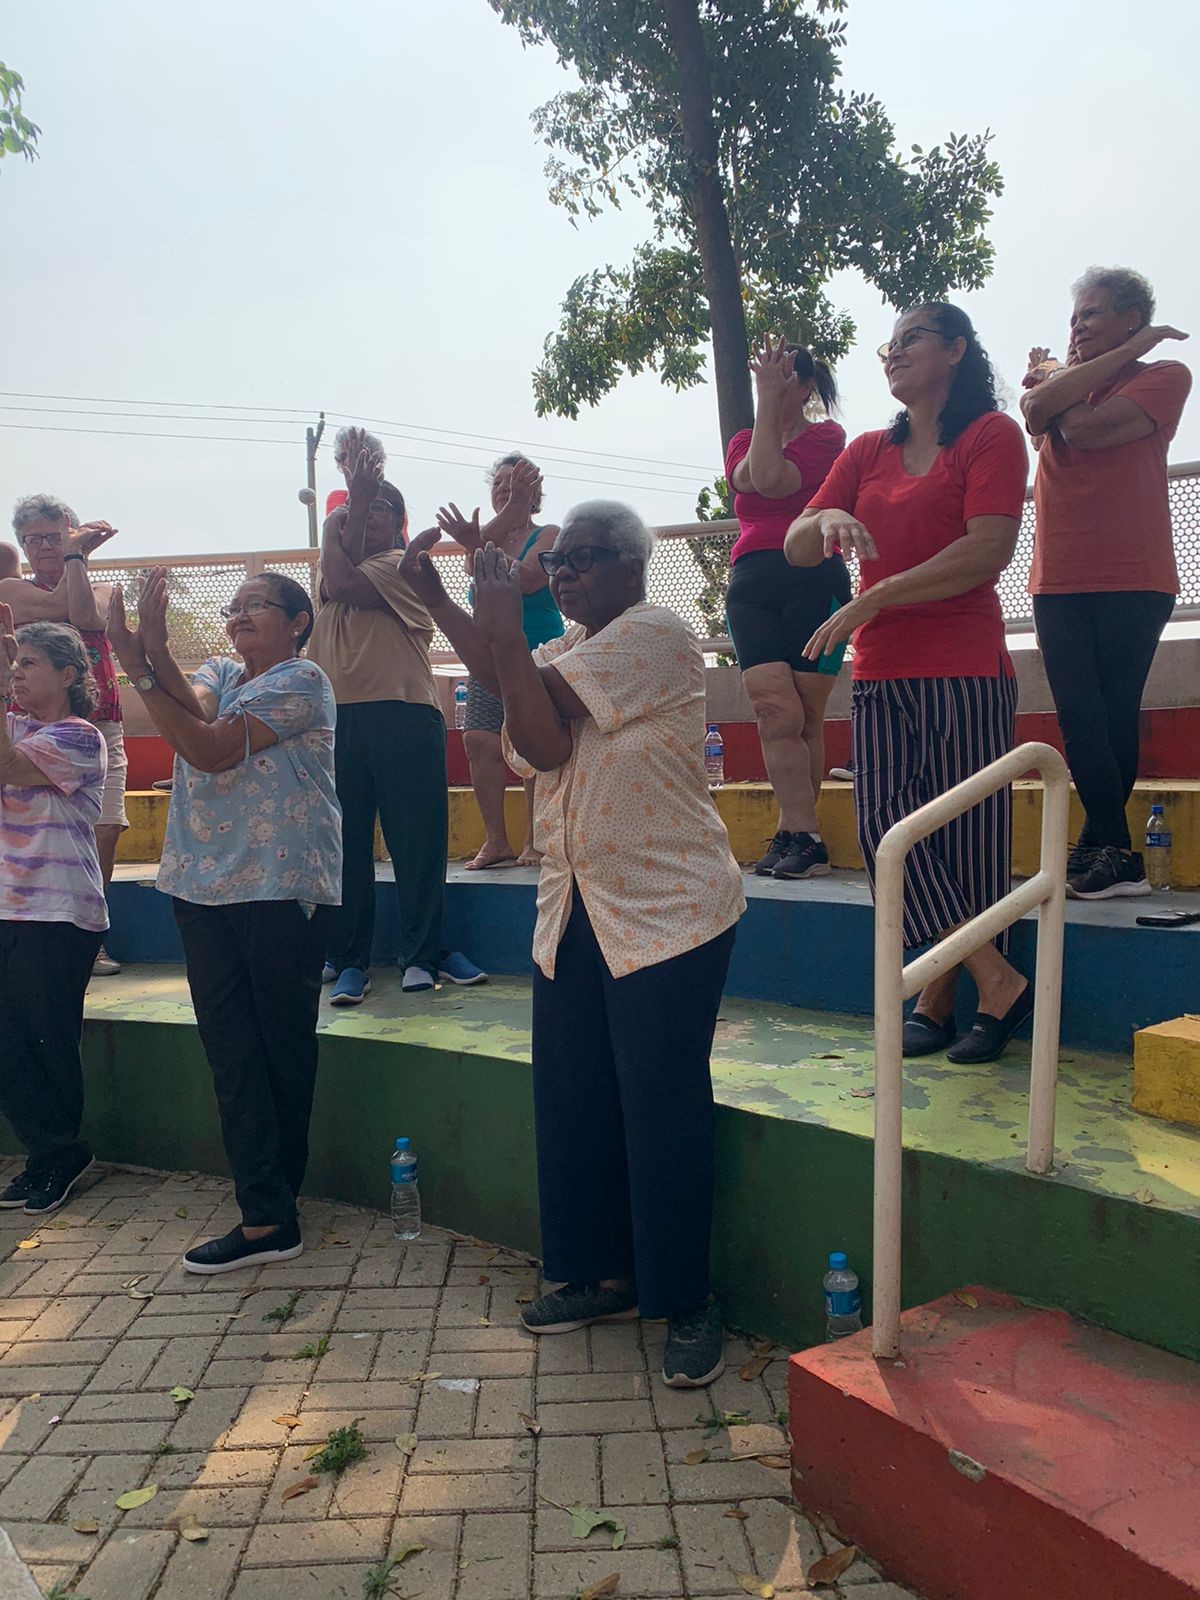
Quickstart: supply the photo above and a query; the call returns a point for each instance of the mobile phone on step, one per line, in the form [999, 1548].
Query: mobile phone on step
[1169, 919]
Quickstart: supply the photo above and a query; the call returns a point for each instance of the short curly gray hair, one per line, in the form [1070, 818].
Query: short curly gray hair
[621, 523]
[339, 446]
[513, 458]
[63, 647]
[42, 507]
[1127, 289]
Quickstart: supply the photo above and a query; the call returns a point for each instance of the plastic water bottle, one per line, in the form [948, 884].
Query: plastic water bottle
[843, 1307]
[1158, 850]
[406, 1197]
[460, 704]
[714, 756]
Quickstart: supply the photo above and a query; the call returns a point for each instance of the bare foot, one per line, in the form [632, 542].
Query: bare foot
[529, 857]
[491, 855]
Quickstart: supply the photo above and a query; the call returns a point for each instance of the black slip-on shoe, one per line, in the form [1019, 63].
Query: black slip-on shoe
[924, 1037]
[989, 1035]
[235, 1250]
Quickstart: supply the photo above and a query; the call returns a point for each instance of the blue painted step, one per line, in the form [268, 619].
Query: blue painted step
[803, 944]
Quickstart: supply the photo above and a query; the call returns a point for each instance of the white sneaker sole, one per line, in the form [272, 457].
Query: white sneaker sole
[462, 983]
[681, 1382]
[258, 1259]
[1118, 891]
[350, 999]
[584, 1322]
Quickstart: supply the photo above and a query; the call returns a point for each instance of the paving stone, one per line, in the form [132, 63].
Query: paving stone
[503, 1544]
[783, 1541]
[726, 1480]
[424, 1264]
[213, 1507]
[210, 1468]
[617, 1348]
[560, 1575]
[113, 1316]
[100, 1438]
[276, 1544]
[462, 1308]
[632, 1468]
[61, 1318]
[466, 1491]
[206, 1419]
[485, 1363]
[123, 1407]
[596, 1416]
[126, 1367]
[181, 1361]
[347, 1359]
[38, 1487]
[430, 1573]
[310, 1507]
[645, 1526]
[36, 1380]
[203, 1571]
[374, 1425]
[473, 1455]
[256, 1420]
[378, 1269]
[128, 1566]
[561, 1352]
[501, 1401]
[50, 1541]
[295, 1583]
[370, 1396]
[713, 1548]
[877, 1591]
[557, 1387]
[49, 1279]
[370, 1488]
[52, 1352]
[483, 1339]
[568, 1470]
[400, 1353]
[444, 1413]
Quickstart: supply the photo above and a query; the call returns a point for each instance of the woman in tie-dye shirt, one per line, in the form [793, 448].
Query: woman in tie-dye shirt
[52, 910]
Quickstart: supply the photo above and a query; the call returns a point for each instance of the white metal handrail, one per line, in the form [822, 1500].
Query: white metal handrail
[895, 982]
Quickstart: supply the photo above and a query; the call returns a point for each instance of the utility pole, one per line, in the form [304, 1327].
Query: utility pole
[312, 438]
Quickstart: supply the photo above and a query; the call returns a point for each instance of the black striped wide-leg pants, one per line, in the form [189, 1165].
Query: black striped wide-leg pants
[914, 738]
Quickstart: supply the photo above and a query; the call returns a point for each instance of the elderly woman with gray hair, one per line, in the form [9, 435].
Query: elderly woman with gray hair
[638, 900]
[52, 910]
[1103, 578]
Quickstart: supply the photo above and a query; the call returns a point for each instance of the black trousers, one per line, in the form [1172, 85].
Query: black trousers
[623, 1110]
[254, 970]
[44, 971]
[390, 759]
[1098, 650]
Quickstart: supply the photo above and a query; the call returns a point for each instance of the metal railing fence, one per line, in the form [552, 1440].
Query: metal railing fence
[896, 981]
[688, 573]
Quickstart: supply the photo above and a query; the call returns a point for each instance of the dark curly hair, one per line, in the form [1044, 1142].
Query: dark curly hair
[810, 369]
[973, 391]
[294, 599]
[63, 647]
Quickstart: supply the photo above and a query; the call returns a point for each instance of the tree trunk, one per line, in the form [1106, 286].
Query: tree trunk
[722, 281]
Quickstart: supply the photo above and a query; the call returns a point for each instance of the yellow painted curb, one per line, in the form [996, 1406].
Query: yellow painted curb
[1166, 1071]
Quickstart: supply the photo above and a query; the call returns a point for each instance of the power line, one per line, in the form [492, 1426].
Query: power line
[235, 438]
[293, 411]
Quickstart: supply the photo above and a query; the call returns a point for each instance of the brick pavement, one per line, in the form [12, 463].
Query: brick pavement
[99, 1322]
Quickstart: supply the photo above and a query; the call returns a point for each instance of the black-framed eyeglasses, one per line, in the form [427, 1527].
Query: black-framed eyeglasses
[34, 541]
[905, 342]
[250, 608]
[581, 559]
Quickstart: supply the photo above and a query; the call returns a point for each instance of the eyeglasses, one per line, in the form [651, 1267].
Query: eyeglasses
[906, 342]
[34, 541]
[581, 559]
[250, 608]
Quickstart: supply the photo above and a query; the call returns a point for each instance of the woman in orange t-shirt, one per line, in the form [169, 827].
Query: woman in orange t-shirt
[1103, 578]
[931, 506]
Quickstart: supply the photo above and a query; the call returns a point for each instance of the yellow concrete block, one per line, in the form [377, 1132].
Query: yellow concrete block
[1166, 1071]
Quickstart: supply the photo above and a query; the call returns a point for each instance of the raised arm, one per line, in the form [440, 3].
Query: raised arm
[28, 603]
[419, 570]
[536, 720]
[83, 609]
[342, 541]
[1061, 400]
[765, 468]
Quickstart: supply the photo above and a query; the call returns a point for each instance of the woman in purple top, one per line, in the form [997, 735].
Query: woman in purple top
[52, 910]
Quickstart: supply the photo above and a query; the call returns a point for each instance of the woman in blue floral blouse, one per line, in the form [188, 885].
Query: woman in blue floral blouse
[253, 860]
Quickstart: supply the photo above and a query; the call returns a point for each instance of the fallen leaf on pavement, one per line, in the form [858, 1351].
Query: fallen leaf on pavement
[405, 1551]
[755, 1585]
[754, 1368]
[140, 1294]
[180, 1395]
[605, 1587]
[182, 1212]
[738, 1513]
[191, 1530]
[305, 1486]
[406, 1443]
[30, 1244]
[763, 1459]
[87, 1526]
[1146, 1196]
[967, 1300]
[830, 1568]
[483, 1278]
[695, 1457]
[584, 1521]
[529, 1422]
[311, 1455]
[132, 1283]
[287, 1420]
[763, 1347]
[132, 1498]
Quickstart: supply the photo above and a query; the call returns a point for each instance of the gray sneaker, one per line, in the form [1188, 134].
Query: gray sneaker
[695, 1352]
[576, 1305]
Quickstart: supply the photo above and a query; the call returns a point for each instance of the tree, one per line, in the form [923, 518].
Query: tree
[18, 136]
[762, 176]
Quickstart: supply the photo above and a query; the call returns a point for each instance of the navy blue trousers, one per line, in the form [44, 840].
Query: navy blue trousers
[624, 1117]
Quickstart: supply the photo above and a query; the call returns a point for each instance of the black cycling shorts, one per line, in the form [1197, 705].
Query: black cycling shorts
[773, 609]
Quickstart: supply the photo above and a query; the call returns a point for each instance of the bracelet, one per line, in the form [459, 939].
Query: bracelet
[75, 556]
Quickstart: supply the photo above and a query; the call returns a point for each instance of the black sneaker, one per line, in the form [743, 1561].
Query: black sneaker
[776, 850]
[695, 1352]
[576, 1305]
[806, 858]
[1112, 874]
[1079, 859]
[235, 1250]
[49, 1192]
[17, 1193]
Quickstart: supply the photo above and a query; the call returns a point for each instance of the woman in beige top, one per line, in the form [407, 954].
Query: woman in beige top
[637, 903]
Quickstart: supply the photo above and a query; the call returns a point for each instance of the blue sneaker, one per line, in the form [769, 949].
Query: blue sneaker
[454, 967]
[351, 989]
[328, 972]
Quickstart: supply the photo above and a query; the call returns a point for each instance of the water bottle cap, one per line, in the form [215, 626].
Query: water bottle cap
[1156, 811]
[837, 1261]
[712, 728]
[401, 1144]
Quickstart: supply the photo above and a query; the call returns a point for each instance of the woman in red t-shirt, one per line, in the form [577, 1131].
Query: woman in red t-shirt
[932, 506]
[772, 608]
[1103, 578]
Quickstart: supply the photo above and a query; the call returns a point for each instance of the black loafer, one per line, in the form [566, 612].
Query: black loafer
[989, 1035]
[235, 1250]
[924, 1037]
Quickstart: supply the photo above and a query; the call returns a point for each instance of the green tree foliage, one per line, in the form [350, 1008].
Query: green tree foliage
[763, 176]
[18, 136]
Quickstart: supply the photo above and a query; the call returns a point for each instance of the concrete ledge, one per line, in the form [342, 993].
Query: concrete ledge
[1166, 1071]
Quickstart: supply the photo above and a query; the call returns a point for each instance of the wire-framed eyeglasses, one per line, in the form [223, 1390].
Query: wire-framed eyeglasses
[905, 342]
[250, 608]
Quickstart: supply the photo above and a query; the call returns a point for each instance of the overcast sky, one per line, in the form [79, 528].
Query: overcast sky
[285, 206]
